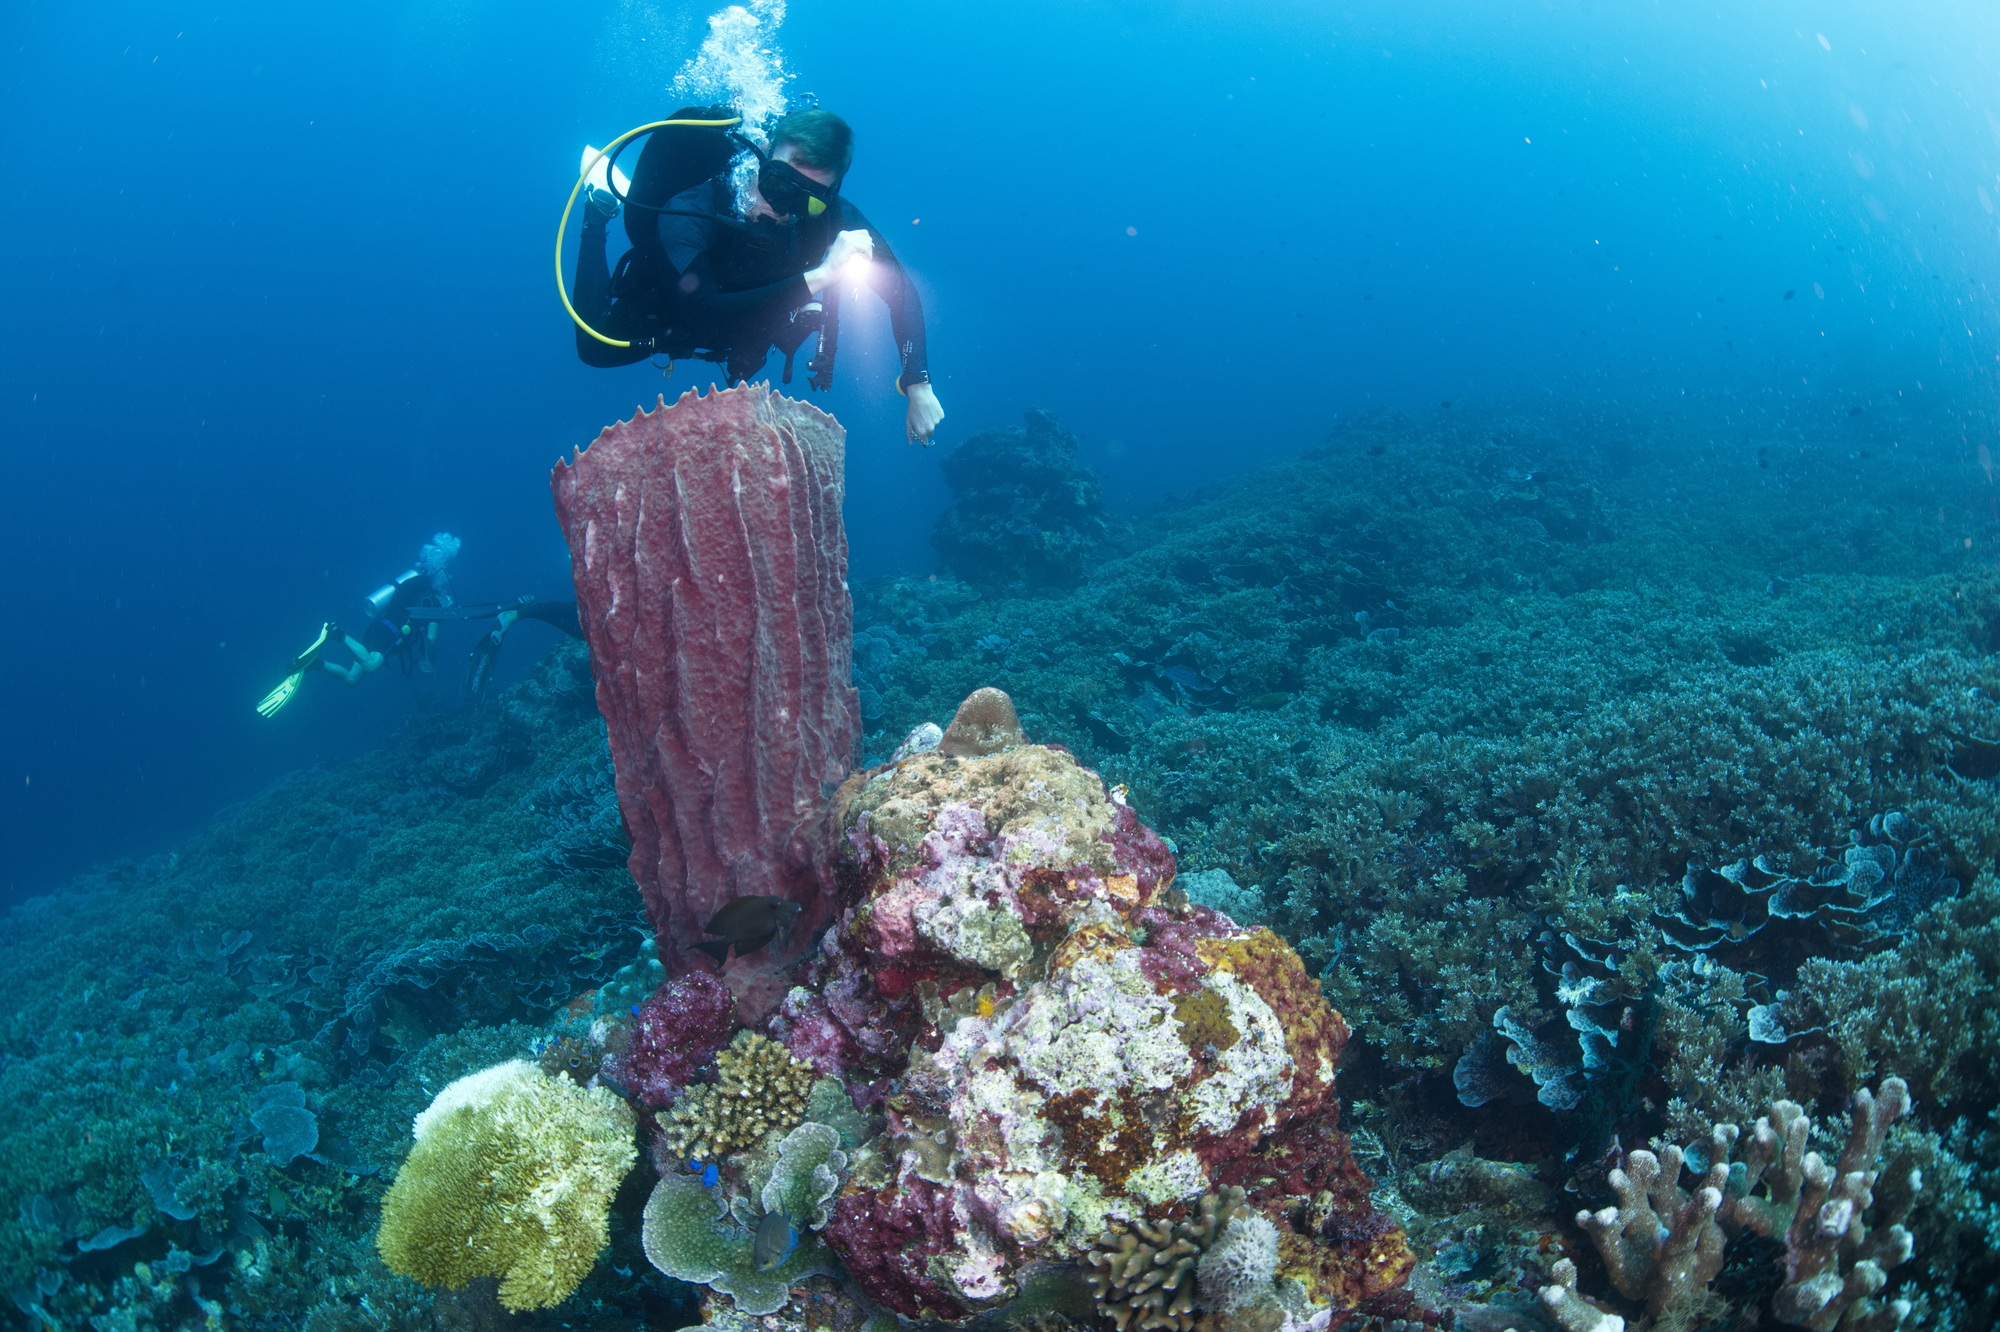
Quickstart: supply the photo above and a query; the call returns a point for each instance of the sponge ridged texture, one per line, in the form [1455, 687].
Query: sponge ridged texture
[512, 1177]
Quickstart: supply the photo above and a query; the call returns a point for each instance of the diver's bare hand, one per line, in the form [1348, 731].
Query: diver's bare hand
[921, 420]
[846, 246]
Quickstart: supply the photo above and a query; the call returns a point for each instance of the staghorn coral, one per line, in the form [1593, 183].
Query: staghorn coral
[1663, 1245]
[1833, 1264]
[1659, 1243]
[762, 1087]
[1144, 1273]
[1572, 1312]
[511, 1177]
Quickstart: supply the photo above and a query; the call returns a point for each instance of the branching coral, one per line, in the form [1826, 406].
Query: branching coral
[1833, 1264]
[1659, 1243]
[1663, 1246]
[762, 1087]
[512, 1177]
[1144, 1275]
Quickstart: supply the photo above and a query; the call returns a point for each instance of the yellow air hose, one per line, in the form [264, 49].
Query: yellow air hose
[577, 189]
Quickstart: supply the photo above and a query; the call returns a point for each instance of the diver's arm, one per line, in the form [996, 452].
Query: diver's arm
[906, 308]
[906, 320]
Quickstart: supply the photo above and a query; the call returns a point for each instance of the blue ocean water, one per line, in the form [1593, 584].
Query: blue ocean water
[279, 294]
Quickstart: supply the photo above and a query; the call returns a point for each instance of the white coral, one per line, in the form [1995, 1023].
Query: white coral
[1239, 1267]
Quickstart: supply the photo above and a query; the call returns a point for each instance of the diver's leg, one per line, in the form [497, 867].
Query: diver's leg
[591, 295]
[349, 675]
[591, 287]
[364, 660]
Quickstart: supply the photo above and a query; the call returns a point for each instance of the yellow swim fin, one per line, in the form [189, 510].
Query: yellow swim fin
[304, 662]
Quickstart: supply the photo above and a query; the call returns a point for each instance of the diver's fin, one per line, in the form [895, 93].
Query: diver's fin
[717, 949]
[280, 696]
[305, 661]
[598, 173]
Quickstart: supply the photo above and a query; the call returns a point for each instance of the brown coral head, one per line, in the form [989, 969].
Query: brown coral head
[984, 724]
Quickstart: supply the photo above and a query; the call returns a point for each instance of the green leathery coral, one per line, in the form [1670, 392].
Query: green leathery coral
[511, 1177]
[688, 1234]
[806, 1175]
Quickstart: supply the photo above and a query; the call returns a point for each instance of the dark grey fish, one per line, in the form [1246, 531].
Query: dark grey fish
[775, 1238]
[746, 924]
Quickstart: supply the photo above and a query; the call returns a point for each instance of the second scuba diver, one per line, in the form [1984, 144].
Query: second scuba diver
[706, 278]
[387, 626]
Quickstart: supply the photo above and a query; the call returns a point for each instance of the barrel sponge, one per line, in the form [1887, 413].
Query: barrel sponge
[512, 1177]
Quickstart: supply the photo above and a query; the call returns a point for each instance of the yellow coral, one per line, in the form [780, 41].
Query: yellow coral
[762, 1088]
[511, 1177]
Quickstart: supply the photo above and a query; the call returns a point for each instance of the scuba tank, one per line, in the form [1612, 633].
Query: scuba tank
[676, 158]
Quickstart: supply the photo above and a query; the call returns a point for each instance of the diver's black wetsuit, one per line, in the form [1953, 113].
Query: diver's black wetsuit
[728, 287]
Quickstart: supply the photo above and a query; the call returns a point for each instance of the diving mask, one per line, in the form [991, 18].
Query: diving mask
[792, 193]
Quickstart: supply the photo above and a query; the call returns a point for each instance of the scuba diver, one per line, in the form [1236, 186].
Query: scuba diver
[705, 278]
[390, 627]
[486, 652]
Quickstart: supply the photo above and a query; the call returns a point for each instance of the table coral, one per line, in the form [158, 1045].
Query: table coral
[1059, 1045]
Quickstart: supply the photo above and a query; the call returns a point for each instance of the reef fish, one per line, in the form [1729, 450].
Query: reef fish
[775, 1238]
[747, 924]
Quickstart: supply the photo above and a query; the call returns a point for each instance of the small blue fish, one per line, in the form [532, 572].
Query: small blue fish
[774, 1242]
[709, 1174]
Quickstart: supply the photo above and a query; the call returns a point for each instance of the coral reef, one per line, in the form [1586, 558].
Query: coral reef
[511, 1176]
[710, 569]
[761, 1088]
[1057, 1043]
[1452, 703]
[1025, 514]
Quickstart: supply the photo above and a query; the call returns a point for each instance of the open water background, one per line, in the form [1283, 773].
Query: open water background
[278, 302]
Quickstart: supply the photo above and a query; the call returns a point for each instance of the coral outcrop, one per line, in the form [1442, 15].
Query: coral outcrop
[511, 1176]
[710, 568]
[1060, 1045]
[1025, 513]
